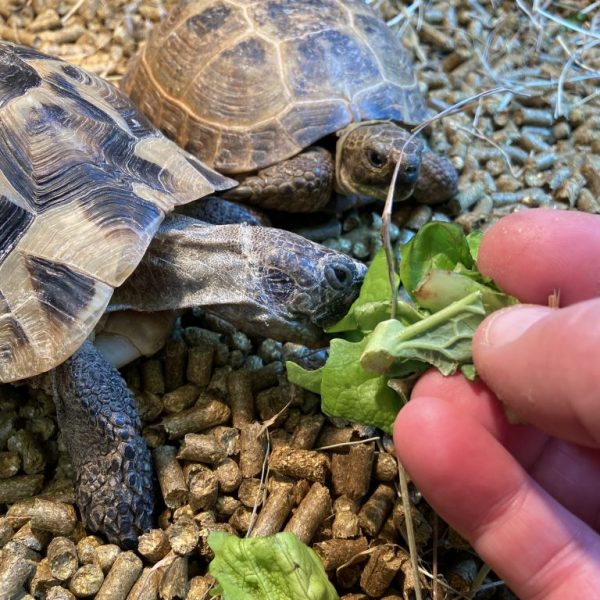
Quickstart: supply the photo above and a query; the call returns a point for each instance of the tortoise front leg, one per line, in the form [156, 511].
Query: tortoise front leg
[303, 183]
[437, 180]
[101, 428]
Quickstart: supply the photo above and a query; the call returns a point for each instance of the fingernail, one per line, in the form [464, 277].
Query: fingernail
[507, 325]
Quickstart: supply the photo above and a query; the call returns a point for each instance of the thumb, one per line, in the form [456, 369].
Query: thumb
[543, 364]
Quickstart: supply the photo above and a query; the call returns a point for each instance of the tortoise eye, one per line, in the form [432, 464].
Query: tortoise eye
[376, 159]
[278, 284]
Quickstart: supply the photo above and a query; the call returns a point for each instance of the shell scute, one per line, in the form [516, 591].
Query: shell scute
[305, 123]
[16, 77]
[211, 19]
[386, 101]
[329, 63]
[12, 336]
[190, 32]
[261, 142]
[396, 67]
[288, 19]
[247, 65]
[200, 139]
[63, 292]
[14, 222]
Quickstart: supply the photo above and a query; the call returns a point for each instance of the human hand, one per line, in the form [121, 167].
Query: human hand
[527, 497]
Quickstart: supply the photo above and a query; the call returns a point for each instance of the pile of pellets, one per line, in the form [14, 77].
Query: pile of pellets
[236, 447]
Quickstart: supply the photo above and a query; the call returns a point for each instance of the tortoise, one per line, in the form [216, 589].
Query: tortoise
[86, 183]
[250, 87]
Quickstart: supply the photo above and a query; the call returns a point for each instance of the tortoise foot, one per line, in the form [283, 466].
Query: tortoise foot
[115, 492]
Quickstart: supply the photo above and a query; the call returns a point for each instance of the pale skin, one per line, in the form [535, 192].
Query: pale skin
[525, 496]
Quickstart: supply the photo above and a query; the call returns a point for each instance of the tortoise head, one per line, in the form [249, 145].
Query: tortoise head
[366, 158]
[290, 288]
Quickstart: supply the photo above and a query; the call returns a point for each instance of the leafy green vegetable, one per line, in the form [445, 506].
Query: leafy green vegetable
[443, 339]
[436, 246]
[452, 298]
[474, 241]
[309, 380]
[374, 301]
[468, 371]
[439, 289]
[346, 386]
[278, 567]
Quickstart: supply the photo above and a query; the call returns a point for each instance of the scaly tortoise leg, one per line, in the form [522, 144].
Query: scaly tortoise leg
[101, 428]
[303, 183]
[437, 179]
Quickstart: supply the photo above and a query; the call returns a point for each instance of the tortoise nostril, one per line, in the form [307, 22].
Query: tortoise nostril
[342, 274]
[409, 174]
[338, 276]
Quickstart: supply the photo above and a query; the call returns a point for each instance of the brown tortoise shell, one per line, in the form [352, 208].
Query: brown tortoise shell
[85, 181]
[244, 84]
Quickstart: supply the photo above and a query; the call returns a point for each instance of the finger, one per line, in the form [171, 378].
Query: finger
[567, 472]
[477, 487]
[475, 399]
[542, 364]
[532, 253]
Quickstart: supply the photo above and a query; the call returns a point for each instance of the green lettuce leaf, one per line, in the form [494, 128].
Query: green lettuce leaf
[351, 392]
[468, 370]
[277, 567]
[366, 316]
[442, 340]
[305, 378]
[440, 288]
[474, 241]
[436, 246]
